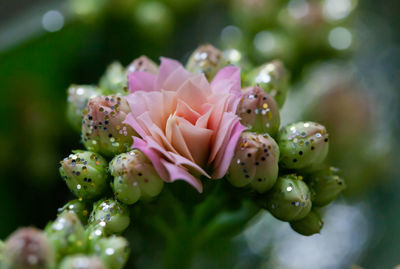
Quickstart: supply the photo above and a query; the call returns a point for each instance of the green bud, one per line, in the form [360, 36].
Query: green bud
[85, 173]
[103, 127]
[255, 162]
[93, 234]
[142, 64]
[259, 111]
[78, 98]
[110, 214]
[67, 234]
[206, 60]
[311, 224]
[289, 199]
[325, 186]
[113, 251]
[135, 177]
[303, 144]
[273, 78]
[2, 247]
[82, 262]
[28, 248]
[114, 80]
[80, 208]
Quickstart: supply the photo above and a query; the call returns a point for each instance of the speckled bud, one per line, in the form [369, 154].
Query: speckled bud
[113, 251]
[94, 233]
[255, 162]
[66, 234]
[206, 60]
[309, 225]
[103, 130]
[79, 207]
[303, 144]
[273, 78]
[110, 214]
[85, 174]
[259, 111]
[82, 262]
[114, 80]
[28, 248]
[289, 199]
[135, 177]
[325, 186]
[78, 98]
[142, 64]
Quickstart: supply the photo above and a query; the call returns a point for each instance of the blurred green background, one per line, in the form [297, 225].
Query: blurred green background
[344, 59]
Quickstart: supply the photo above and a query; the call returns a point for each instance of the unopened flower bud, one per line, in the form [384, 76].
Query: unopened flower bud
[94, 233]
[78, 98]
[79, 207]
[135, 177]
[259, 111]
[114, 80]
[85, 174]
[113, 251]
[142, 64]
[67, 234]
[289, 199]
[255, 162]
[325, 186]
[206, 60]
[28, 248]
[309, 225]
[103, 130]
[80, 261]
[110, 214]
[303, 144]
[273, 78]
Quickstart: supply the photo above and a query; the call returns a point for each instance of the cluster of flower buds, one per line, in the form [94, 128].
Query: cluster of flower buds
[282, 169]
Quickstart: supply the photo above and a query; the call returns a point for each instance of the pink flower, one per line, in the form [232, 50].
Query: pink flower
[188, 126]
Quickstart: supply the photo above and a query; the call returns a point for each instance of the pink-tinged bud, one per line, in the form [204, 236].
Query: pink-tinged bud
[259, 111]
[255, 162]
[28, 248]
[134, 177]
[142, 64]
[103, 130]
[303, 145]
[207, 60]
[273, 78]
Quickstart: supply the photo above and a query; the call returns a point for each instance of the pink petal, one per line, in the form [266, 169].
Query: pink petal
[180, 173]
[192, 95]
[227, 80]
[141, 81]
[167, 67]
[197, 140]
[224, 157]
[175, 137]
[175, 80]
[153, 157]
[228, 122]
[185, 111]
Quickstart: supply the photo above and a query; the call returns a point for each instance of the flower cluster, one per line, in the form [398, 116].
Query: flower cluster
[159, 124]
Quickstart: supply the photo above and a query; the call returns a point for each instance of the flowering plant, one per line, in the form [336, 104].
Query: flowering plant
[145, 126]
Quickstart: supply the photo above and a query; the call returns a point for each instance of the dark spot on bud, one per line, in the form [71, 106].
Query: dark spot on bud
[294, 160]
[248, 111]
[326, 139]
[140, 174]
[260, 179]
[312, 148]
[300, 153]
[262, 158]
[257, 163]
[249, 155]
